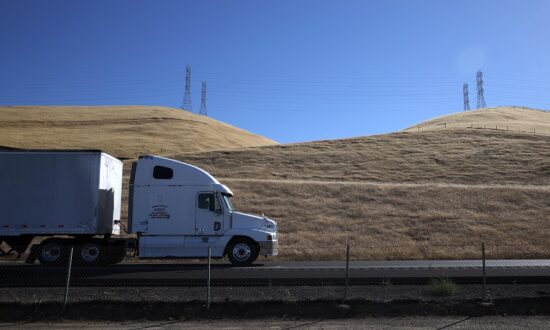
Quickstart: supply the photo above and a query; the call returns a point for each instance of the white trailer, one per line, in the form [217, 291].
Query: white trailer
[175, 210]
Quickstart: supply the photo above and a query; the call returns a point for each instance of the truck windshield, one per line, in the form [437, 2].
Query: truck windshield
[228, 202]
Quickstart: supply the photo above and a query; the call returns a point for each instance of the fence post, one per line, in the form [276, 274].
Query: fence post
[346, 283]
[484, 297]
[69, 266]
[208, 281]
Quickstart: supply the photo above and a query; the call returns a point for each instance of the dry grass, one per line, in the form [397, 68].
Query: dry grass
[432, 194]
[383, 221]
[124, 131]
[456, 156]
[429, 194]
[502, 118]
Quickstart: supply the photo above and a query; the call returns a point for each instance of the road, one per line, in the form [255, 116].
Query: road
[14, 274]
[405, 322]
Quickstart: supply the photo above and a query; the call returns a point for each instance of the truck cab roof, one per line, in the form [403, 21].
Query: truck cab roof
[156, 170]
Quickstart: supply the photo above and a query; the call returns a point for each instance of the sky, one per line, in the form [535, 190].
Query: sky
[291, 70]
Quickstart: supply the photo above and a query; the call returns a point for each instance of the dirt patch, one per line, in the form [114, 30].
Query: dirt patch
[195, 310]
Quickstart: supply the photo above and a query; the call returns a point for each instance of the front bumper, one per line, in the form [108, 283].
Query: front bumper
[269, 248]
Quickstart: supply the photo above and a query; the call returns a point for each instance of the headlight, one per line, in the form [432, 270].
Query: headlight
[269, 225]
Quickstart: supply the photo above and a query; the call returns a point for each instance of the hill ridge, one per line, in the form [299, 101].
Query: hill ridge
[520, 119]
[124, 131]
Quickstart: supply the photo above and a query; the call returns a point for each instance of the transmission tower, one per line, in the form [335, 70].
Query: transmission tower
[466, 98]
[203, 100]
[480, 97]
[186, 104]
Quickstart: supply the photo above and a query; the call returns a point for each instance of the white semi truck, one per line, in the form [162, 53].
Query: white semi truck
[73, 198]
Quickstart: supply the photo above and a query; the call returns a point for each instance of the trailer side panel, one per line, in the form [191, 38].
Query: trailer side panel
[51, 193]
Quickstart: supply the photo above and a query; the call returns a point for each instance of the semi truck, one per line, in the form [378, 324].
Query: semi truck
[52, 200]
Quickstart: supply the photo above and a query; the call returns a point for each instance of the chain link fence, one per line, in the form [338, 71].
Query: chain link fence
[347, 275]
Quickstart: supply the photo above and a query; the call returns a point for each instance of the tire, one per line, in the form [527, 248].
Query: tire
[90, 253]
[242, 252]
[53, 253]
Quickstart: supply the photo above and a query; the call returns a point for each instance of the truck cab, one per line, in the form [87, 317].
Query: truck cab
[178, 210]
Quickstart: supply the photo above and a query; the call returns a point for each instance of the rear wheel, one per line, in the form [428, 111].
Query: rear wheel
[90, 253]
[242, 252]
[52, 253]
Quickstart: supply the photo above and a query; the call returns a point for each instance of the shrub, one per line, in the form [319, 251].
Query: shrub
[444, 287]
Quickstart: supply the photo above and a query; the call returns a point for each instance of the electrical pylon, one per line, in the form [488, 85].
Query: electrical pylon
[480, 92]
[203, 100]
[466, 98]
[186, 104]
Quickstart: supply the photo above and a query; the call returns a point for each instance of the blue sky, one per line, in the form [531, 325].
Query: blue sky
[290, 70]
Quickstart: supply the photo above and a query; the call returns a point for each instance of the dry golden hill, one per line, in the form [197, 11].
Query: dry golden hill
[454, 156]
[517, 119]
[427, 194]
[124, 131]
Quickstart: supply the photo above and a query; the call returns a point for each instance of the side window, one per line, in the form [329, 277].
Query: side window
[208, 201]
[163, 173]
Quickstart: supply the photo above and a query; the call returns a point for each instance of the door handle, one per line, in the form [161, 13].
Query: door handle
[217, 226]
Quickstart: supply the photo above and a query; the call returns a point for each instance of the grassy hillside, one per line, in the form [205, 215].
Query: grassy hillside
[454, 156]
[503, 118]
[124, 131]
[427, 194]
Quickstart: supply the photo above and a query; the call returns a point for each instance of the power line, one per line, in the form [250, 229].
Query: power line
[148, 76]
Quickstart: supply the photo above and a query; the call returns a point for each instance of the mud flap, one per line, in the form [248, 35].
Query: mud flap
[33, 254]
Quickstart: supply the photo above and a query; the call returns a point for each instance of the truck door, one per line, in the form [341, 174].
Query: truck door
[208, 214]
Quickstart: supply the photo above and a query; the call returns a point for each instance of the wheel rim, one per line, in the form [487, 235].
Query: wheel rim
[51, 252]
[242, 251]
[89, 252]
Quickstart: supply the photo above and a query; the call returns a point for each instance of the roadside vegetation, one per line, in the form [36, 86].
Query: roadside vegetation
[444, 287]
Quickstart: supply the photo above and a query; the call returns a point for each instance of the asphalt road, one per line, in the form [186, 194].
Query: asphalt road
[313, 273]
[406, 322]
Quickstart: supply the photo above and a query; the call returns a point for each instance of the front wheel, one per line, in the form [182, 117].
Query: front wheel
[242, 252]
